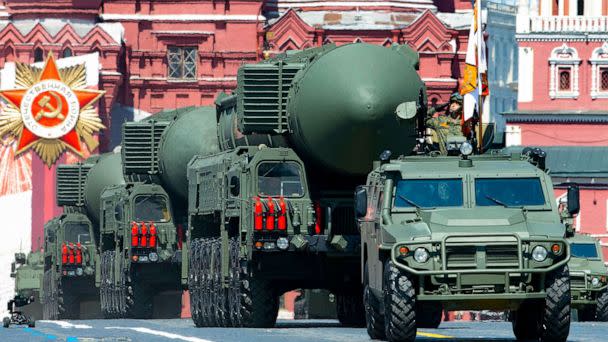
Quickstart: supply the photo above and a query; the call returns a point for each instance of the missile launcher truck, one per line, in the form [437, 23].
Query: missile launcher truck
[588, 278]
[71, 244]
[464, 233]
[274, 210]
[28, 272]
[143, 222]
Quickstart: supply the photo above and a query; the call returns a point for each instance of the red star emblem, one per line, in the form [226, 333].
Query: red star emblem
[50, 109]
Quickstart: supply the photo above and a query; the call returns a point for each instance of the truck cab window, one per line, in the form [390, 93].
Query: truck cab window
[77, 232]
[151, 208]
[428, 193]
[508, 192]
[583, 250]
[280, 179]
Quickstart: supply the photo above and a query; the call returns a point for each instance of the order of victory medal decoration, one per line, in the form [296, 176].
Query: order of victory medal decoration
[50, 111]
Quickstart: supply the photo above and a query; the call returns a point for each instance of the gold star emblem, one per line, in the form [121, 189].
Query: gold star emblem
[50, 111]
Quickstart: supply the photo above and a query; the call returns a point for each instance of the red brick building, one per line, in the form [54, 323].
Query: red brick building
[563, 96]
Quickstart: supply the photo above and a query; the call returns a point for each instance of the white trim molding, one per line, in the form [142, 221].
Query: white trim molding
[564, 56]
[599, 63]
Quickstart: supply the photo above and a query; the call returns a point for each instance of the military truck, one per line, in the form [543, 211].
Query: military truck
[274, 210]
[28, 271]
[463, 233]
[588, 278]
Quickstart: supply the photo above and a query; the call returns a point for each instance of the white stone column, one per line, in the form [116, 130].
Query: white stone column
[552, 80]
[523, 17]
[525, 84]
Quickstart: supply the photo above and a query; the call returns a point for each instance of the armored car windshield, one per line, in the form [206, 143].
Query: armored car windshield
[583, 250]
[508, 192]
[280, 179]
[428, 193]
[77, 232]
[152, 208]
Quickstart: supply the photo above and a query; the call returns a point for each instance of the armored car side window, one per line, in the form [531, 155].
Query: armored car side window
[280, 179]
[151, 208]
[77, 232]
[583, 250]
[509, 192]
[428, 193]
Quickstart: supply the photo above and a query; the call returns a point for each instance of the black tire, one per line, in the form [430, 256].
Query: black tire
[399, 305]
[234, 304]
[374, 319]
[219, 293]
[207, 309]
[140, 302]
[428, 315]
[259, 302]
[526, 320]
[106, 287]
[350, 309]
[601, 311]
[50, 299]
[6, 322]
[69, 304]
[194, 282]
[555, 325]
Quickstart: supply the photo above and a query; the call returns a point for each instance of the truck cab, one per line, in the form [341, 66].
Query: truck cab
[462, 233]
[588, 278]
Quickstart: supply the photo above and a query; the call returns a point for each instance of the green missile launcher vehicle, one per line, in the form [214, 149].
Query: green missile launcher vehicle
[464, 233]
[274, 210]
[28, 272]
[588, 278]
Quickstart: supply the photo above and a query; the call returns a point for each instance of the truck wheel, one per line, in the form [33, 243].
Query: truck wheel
[136, 295]
[208, 310]
[6, 322]
[50, 303]
[373, 318]
[399, 305]
[70, 305]
[234, 291]
[525, 321]
[350, 309]
[259, 302]
[194, 282]
[556, 317]
[601, 312]
[218, 291]
[106, 287]
[428, 315]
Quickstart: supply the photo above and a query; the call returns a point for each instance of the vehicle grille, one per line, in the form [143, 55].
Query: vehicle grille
[140, 142]
[70, 184]
[501, 256]
[497, 256]
[577, 282]
[459, 257]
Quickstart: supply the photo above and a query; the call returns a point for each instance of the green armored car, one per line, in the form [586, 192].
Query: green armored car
[463, 233]
[588, 279]
[27, 271]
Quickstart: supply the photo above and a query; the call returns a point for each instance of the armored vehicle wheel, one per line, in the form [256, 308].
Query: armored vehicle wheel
[105, 288]
[50, 300]
[601, 311]
[399, 305]
[134, 294]
[208, 310]
[234, 291]
[6, 322]
[194, 282]
[556, 316]
[259, 302]
[219, 296]
[374, 320]
[350, 310]
[69, 307]
[525, 321]
[428, 315]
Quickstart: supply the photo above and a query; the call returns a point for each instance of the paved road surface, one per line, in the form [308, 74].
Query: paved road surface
[294, 331]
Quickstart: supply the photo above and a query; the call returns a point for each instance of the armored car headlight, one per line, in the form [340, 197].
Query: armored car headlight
[153, 257]
[539, 253]
[595, 281]
[421, 255]
[466, 148]
[79, 271]
[282, 243]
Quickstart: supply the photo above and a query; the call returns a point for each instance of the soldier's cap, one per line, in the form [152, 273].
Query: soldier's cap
[456, 97]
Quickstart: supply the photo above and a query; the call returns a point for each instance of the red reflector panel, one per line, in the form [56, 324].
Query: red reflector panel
[64, 253]
[71, 254]
[144, 235]
[258, 214]
[134, 233]
[152, 240]
[282, 221]
[270, 214]
[318, 214]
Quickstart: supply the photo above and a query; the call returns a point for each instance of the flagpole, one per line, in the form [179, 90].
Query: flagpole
[479, 75]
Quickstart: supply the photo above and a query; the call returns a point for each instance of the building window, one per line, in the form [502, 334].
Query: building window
[38, 55]
[580, 7]
[599, 72]
[67, 52]
[604, 79]
[182, 62]
[565, 80]
[564, 63]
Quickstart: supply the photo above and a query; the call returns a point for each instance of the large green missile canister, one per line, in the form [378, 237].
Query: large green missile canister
[159, 148]
[338, 107]
[105, 172]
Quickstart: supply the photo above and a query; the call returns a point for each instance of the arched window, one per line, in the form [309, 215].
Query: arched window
[604, 79]
[565, 64]
[38, 55]
[67, 52]
[565, 83]
[599, 72]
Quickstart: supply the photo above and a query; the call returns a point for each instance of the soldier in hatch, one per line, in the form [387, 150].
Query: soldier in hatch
[448, 124]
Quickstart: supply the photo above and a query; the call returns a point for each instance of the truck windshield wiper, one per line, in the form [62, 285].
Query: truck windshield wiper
[412, 203]
[499, 202]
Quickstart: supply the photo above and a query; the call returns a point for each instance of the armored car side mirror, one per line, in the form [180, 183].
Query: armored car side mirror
[360, 201]
[235, 186]
[574, 204]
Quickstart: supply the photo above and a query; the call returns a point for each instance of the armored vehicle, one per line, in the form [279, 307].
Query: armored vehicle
[274, 211]
[28, 272]
[588, 281]
[463, 233]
